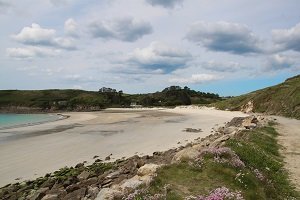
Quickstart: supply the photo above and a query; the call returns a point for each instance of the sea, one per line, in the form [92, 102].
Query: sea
[18, 120]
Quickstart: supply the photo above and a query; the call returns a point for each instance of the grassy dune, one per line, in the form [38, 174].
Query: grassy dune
[282, 99]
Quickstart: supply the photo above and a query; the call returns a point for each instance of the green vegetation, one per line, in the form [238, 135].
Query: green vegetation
[282, 99]
[107, 97]
[260, 174]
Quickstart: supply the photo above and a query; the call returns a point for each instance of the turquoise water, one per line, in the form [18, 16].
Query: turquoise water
[13, 120]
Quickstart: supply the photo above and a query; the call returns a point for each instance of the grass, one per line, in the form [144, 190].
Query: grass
[259, 151]
[282, 99]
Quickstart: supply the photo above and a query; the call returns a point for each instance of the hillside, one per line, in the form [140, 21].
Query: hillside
[80, 100]
[282, 99]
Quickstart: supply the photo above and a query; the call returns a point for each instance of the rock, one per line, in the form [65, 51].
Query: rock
[229, 130]
[193, 130]
[235, 122]
[48, 183]
[148, 169]
[84, 175]
[72, 188]
[76, 195]
[92, 192]
[107, 158]
[218, 141]
[140, 163]
[90, 181]
[248, 122]
[113, 175]
[186, 153]
[132, 183]
[39, 194]
[248, 108]
[95, 157]
[109, 194]
[79, 165]
[106, 183]
[50, 197]
[98, 160]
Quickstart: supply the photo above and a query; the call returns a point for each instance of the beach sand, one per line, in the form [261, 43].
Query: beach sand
[31, 152]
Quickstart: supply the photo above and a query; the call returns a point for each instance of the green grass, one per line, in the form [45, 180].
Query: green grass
[258, 149]
[282, 99]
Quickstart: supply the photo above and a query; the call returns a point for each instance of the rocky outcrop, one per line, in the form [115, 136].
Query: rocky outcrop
[248, 107]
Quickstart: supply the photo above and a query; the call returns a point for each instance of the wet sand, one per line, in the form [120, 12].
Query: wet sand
[31, 152]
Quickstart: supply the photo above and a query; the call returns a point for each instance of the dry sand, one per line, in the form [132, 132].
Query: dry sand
[30, 152]
[289, 138]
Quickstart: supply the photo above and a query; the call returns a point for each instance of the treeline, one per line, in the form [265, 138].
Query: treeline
[51, 100]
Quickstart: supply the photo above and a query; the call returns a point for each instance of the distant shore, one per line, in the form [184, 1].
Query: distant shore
[32, 151]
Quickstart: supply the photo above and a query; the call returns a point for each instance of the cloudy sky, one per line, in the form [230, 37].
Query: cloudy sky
[227, 47]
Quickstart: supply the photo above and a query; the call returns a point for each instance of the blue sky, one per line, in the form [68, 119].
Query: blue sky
[229, 47]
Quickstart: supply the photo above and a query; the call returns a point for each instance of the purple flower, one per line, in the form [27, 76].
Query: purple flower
[223, 155]
[221, 193]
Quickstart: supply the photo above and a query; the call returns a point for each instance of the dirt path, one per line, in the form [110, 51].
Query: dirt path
[289, 138]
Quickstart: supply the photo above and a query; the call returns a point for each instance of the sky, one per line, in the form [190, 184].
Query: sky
[227, 47]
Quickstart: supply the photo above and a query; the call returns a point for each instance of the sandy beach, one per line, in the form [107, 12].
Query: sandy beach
[31, 152]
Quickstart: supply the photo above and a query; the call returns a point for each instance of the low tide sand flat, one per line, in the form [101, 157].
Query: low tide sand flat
[36, 150]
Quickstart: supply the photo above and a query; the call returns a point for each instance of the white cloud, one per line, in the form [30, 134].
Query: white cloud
[60, 2]
[224, 36]
[165, 3]
[31, 52]
[278, 62]
[287, 39]
[124, 29]
[159, 56]
[71, 28]
[195, 78]
[222, 66]
[38, 36]
[35, 35]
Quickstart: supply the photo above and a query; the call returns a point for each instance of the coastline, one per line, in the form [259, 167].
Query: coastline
[60, 117]
[116, 132]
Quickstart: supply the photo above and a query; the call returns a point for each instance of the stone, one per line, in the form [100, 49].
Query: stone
[140, 163]
[76, 195]
[148, 169]
[90, 181]
[248, 108]
[39, 194]
[92, 192]
[106, 183]
[84, 175]
[107, 158]
[98, 160]
[48, 183]
[79, 165]
[113, 175]
[50, 197]
[109, 194]
[186, 153]
[218, 141]
[72, 188]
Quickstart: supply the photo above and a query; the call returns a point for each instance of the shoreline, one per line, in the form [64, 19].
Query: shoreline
[120, 132]
[60, 117]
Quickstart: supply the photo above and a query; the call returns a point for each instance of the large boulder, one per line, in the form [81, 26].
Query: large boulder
[109, 194]
[189, 153]
[147, 170]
